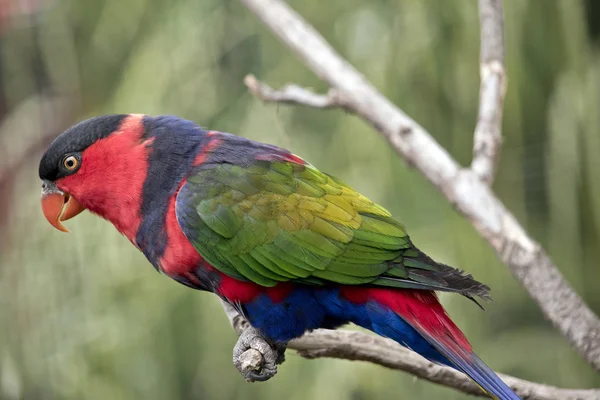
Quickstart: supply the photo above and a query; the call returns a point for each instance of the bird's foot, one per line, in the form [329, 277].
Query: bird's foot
[257, 357]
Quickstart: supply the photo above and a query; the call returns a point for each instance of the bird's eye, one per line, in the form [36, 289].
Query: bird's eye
[71, 163]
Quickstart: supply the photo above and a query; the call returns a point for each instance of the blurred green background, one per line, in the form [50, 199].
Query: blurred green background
[84, 316]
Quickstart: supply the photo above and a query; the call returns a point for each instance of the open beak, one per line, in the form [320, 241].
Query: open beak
[58, 206]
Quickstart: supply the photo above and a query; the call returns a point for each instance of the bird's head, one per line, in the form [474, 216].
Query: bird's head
[99, 164]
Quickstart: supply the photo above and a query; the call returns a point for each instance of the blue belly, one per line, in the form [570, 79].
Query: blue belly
[308, 307]
[304, 309]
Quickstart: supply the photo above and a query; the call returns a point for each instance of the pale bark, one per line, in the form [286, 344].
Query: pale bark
[488, 132]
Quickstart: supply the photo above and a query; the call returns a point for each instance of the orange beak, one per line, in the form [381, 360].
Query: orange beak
[58, 206]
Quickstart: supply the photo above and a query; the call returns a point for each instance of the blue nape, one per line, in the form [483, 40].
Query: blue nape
[308, 307]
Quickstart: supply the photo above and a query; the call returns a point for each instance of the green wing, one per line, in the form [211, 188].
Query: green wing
[278, 221]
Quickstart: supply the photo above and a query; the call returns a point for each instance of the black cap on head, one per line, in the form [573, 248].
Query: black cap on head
[75, 140]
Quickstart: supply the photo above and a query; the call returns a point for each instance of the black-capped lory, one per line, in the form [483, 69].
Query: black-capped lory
[291, 248]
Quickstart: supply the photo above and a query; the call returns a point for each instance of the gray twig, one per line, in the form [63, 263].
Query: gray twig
[488, 132]
[291, 94]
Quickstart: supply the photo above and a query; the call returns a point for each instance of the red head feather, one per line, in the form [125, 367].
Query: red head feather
[110, 180]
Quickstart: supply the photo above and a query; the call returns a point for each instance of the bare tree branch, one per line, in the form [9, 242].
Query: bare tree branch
[358, 346]
[299, 96]
[488, 132]
[291, 94]
[527, 261]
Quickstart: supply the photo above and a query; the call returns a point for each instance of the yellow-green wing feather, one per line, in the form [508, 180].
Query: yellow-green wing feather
[276, 221]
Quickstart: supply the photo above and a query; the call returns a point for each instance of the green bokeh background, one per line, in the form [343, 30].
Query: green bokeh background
[84, 316]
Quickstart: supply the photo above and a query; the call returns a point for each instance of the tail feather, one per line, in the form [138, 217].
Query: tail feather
[416, 319]
[470, 364]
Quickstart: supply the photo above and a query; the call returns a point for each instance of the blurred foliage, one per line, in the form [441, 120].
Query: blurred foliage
[84, 316]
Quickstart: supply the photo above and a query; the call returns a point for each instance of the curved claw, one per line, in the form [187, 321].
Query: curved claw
[256, 357]
[261, 376]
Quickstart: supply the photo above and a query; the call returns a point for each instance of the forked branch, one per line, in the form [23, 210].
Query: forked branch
[466, 190]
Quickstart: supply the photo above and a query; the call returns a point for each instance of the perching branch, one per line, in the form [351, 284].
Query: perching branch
[464, 188]
[488, 132]
[358, 346]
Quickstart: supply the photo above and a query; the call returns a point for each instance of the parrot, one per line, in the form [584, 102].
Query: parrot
[291, 248]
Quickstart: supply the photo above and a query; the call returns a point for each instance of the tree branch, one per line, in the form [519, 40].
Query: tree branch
[291, 94]
[527, 261]
[488, 132]
[358, 346]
